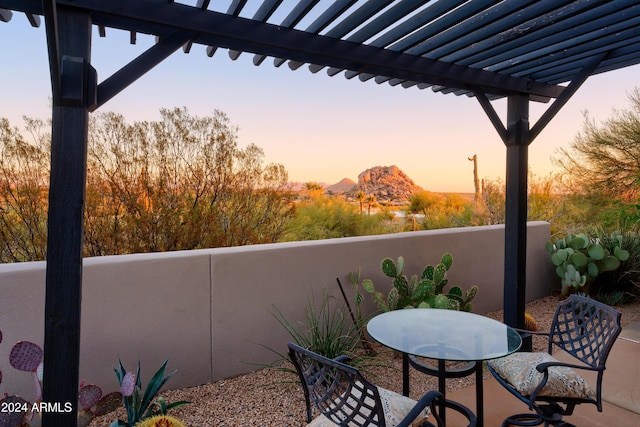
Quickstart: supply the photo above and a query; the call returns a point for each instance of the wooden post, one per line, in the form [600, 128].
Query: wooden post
[65, 223]
[516, 212]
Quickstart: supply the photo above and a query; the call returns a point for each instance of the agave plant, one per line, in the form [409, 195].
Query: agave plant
[139, 405]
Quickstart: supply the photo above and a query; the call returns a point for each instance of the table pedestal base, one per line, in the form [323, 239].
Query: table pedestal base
[443, 373]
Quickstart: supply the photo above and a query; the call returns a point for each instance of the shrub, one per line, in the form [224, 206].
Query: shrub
[325, 329]
[621, 285]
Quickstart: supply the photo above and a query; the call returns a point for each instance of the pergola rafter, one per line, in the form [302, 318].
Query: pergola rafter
[524, 50]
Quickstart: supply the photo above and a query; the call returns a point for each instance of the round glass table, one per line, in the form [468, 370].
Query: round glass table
[444, 335]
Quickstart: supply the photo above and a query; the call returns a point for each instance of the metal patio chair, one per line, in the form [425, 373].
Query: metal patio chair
[345, 398]
[584, 329]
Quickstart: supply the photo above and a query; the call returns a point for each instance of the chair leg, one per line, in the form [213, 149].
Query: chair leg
[530, 419]
[533, 419]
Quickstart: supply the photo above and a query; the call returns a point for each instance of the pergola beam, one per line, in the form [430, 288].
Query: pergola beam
[246, 35]
[566, 94]
[49, 10]
[139, 66]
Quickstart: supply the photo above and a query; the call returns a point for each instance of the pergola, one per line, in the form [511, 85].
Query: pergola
[522, 50]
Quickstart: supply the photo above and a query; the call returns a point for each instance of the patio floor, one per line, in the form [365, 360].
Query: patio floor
[621, 392]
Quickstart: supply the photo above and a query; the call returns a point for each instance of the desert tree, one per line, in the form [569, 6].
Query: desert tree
[24, 181]
[179, 183]
[372, 201]
[361, 197]
[182, 182]
[605, 159]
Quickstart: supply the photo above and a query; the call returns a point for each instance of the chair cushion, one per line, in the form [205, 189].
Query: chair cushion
[519, 370]
[395, 407]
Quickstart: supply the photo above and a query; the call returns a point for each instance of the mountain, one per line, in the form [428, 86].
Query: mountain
[341, 187]
[387, 183]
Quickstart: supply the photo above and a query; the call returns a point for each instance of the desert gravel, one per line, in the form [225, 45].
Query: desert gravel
[272, 397]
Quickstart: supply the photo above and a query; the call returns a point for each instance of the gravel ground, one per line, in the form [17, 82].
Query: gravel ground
[271, 397]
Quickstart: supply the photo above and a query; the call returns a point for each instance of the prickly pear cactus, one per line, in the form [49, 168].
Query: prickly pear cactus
[90, 396]
[579, 259]
[426, 291]
[26, 356]
[16, 417]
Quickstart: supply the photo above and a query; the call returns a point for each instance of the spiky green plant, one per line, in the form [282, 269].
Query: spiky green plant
[139, 405]
[325, 329]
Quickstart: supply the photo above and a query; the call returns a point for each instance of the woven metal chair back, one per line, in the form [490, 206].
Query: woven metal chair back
[337, 390]
[586, 329]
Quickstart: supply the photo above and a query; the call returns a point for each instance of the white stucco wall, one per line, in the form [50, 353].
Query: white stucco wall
[208, 311]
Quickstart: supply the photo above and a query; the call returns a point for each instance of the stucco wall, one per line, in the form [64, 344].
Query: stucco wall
[208, 311]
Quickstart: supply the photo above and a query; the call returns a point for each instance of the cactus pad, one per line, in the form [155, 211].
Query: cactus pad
[89, 395]
[13, 418]
[25, 356]
[84, 417]
[389, 268]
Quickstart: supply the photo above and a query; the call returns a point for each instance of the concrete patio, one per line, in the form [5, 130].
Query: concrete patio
[621, 392]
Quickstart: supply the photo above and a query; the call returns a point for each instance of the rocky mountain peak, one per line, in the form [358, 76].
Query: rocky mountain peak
[387, 183]
[341, 187]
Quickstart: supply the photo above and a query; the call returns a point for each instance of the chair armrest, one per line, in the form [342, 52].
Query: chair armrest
[343, 358]
[526, 331]
[546, 365]
[544, 369]
[430, 399]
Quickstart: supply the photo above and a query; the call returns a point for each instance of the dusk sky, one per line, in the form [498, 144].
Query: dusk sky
[320, 128]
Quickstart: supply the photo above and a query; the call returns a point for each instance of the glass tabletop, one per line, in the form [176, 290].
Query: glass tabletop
[444, 334]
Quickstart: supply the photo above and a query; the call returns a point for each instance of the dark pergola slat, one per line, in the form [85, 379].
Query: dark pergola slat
[449, 14]
[567, 66]
[355, 19]
[5, 15]
[493, 37]
[263, 13]
[529, 36]
[329, 15]
[476, 28]
[586, 42]
[387, 19]
[293, 18]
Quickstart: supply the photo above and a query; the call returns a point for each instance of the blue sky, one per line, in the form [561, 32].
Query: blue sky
[321, 128]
